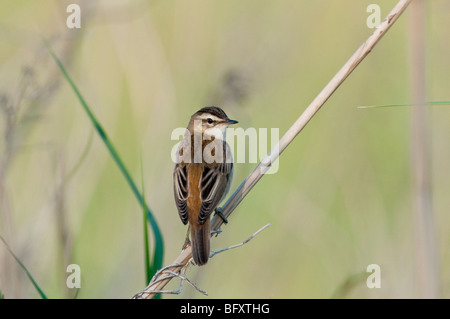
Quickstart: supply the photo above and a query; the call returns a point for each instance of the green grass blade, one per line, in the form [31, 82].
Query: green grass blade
[399, 105]
[150, 267]
[159, 244]
[81, 159]
[439, 103]
[344, 289]
[39, 290]
[75, 296]
[148, 270]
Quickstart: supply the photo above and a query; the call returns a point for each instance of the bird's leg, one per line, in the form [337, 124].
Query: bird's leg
[218, 211]
[216, 232]
[187, 242]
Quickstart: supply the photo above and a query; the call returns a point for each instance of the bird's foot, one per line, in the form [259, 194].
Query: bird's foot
[218, 211]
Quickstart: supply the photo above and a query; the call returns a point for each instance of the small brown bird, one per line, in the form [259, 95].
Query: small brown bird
[202, 175]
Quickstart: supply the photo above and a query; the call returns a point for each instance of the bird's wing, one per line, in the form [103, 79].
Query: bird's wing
[180, 188]
[213, 186]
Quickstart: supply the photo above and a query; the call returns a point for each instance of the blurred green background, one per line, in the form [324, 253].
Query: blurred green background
[341, 199]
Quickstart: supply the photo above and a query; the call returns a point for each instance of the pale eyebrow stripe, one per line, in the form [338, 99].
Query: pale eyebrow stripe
[206, 116]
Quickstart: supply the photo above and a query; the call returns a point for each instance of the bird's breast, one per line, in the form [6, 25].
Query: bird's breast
[194, 200]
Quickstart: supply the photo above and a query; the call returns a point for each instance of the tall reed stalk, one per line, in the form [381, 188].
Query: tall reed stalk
[424, 225]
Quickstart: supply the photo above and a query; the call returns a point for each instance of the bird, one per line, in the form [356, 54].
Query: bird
[202, 176]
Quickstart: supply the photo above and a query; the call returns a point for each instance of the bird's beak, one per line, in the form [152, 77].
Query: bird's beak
[229, 122]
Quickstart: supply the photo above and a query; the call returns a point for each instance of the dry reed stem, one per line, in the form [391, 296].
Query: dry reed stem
[426, 254]
[165, 274]
[293, 131]
[240, 244]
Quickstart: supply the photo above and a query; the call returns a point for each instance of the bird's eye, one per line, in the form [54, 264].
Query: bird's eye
[210, 120]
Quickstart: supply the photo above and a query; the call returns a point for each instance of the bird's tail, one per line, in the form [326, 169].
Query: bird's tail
[200, 237]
